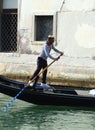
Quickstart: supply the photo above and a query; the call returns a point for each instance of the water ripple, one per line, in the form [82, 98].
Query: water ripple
[25, 116]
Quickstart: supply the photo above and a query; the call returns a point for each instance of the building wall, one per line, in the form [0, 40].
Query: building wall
[74, 25]
[76, 28]
[1, 6]
[76, 33]
[26, 27]
[10, 4]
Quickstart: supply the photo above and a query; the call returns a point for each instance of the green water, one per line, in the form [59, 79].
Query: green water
[25, 116]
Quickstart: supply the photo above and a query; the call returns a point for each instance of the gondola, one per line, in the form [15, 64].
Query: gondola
[59, 96]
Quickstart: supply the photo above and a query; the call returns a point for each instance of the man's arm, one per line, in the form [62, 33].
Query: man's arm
[47, 52]
[56, 50]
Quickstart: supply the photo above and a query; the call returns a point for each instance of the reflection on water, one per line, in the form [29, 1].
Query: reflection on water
[25, 116]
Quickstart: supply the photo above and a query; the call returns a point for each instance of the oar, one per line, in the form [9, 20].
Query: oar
[21, 91]
[12, 100]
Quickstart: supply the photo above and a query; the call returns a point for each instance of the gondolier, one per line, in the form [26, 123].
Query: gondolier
[42, 61]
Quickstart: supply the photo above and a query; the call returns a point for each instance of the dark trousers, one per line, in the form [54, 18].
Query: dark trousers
[41, 64]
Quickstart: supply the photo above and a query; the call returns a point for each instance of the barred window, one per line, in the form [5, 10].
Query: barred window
[43, 27]
[8, 32]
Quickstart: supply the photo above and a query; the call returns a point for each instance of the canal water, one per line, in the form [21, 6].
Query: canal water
[25, 116]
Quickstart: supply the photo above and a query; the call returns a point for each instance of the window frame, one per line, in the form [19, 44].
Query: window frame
[33, 41]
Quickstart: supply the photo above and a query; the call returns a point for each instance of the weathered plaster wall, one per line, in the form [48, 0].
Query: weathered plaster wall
[42, 7]
[76, 33]
[75, 25]
[79, 5]
[76, 28]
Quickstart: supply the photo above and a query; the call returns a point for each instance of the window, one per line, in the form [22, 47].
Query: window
[43, 27]
[8, 30]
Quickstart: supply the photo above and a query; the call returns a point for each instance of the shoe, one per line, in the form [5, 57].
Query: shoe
[30, 84]
[92, 92]
[45, 85]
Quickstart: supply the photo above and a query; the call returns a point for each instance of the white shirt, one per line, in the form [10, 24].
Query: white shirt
[46, 51]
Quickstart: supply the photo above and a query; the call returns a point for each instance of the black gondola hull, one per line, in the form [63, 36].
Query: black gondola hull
[63, 97]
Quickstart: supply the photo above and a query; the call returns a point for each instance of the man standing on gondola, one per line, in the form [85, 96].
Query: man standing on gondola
[42, 61]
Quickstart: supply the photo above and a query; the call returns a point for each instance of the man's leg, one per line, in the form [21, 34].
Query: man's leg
[44, 73]
[39, 66]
